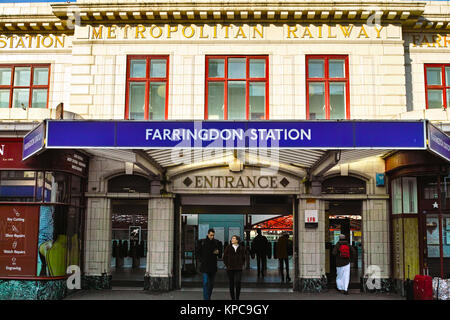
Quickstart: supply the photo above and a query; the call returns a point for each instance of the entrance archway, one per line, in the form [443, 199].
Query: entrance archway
[129, 229]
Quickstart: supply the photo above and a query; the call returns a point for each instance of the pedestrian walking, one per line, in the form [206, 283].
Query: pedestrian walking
[283, 249]
[343, 253]
[208, 250]
[259, 248]
[234, 260]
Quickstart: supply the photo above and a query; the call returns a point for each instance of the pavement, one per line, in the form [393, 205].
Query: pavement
[123, 293]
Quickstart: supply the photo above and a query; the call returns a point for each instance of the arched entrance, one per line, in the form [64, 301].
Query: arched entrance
[129, 229]
[344, 216]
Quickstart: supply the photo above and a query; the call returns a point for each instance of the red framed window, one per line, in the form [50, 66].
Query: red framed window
[237, 88]
[437, 86]
[24, 85]
[147, 87]
[327, 87]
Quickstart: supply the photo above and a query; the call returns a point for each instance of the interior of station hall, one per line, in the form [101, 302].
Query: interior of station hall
[133, 217]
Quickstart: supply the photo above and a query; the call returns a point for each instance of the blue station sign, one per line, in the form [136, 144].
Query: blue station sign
[128, 134]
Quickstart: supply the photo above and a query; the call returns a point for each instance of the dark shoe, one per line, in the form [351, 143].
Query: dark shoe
[346, 293]
[288, 279]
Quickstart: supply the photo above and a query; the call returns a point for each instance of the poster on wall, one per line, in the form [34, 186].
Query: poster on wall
[18, 233]
[58, 241]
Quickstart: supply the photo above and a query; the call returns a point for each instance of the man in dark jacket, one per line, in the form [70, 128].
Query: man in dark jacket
[282, 250]
[260, 246]
[344, 254]
[208, 250]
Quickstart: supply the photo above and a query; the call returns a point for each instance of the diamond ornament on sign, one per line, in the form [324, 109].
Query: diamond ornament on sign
[187, 182]
[284, 182]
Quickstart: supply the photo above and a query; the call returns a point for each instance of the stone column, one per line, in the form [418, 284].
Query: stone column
[159, 273]
[311, 242]
[97, 259]
[376, 249]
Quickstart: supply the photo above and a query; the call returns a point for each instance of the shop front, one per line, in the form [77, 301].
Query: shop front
[42, 222]
[419, 215]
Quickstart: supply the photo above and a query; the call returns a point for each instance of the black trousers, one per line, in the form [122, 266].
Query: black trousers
[234, 279]
[284, 261]
[261, 263]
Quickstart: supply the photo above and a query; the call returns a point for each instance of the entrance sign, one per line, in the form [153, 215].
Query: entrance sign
[439, 142]
[236, 134]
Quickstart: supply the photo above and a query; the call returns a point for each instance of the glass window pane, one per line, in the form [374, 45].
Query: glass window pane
[337, 68]
[317, 100]
[39, 98]
[433, 250]
[138, 69]
[409, 195]
[22, 76]
[447, 76]
[257, 95]
[236, 68]
[434, 76]
[216, 68]
[4, 98]
[5, 76]
[56, 188]
[20, 98]
[17, 186]
[397, 196]
[216, 97]
[316, 68]
[40, 185]
[236, 100]
[448, 98]
[435, 99]
[137, 100]
[337, 100]
[157, 100]
[40, 76]
[158, 68]
[257, 68]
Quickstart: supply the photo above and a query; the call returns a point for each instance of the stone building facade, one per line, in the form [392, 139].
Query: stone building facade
[385, 50]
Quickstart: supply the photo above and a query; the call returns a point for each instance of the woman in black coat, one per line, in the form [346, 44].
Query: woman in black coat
[234, 260]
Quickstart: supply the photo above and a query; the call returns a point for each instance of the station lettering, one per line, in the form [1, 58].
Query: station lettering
[49, 41]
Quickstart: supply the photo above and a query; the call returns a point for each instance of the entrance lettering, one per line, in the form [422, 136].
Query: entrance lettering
[236, 182]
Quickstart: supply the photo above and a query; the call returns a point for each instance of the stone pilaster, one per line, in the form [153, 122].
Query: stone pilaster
[159, 270]
[375, 220]
[311, 248]
[97, 243]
